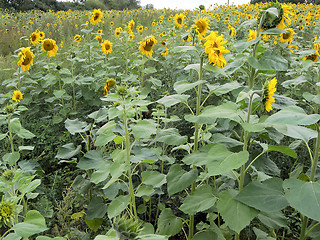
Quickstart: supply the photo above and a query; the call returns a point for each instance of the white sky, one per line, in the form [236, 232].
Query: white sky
[188, 4]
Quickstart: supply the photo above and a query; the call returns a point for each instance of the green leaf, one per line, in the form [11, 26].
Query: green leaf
[96, 209]
[28, 148]
[91, 160]
[153, 178]
[2, 136]
[168, 224]
[107, 127]
[94, 224]
[218, 89]
[201, 200]
[118, 139]
[183, 86]
[193, 66]
[274, 31]
[304, 197]
[59, 93]
[152, 237]
[68, 151]
[206, 235]
[76, 126]
[144, 128]
[48, 238]
[283, 149]
[253, 127]
[295, 82]
[178, 179]
[144, 190]
[297, 132]
[236, 214]
[171, 136]
[311, 98]
[33, 223]
[100, 115]
[15, 125]
[101, 174]
[269, 61]
[171, 100]
[118, 205]
[104, 138]
[11, 158]
[240, 46]
[214, 69]
[220, 160]
[12, 236]
[267, 196]
[30, 186]
[25, 134]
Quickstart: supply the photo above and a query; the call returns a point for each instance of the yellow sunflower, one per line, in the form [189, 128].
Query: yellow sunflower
[99, 39]
[130, 26]
[213, 47]
[287, 37]
[269, 90]
[131, 37]
[285, 16]
[77, 38]
[146, 45]
[316, 46]
[17, 96]
[117, 31]
[233, 32]
[50, 47]
[34, 38]
[178, 20]
[96, 17]
[25, 58]
[313, 57]
[165, 53]
[109, 84]
[202, 26]
[41, 34]
[106, 47]
[252, 35]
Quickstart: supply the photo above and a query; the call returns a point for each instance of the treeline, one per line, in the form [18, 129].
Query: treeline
[287, 1]
[54, 5]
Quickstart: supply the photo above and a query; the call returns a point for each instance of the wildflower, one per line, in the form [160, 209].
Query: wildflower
[252, 35]
[130, 26]
[146, 45]
[25, 58]
[17, 96]
[34, 38]
[213, 47]
[202, 26]
[313, 57]
[77, 38]
[178, 20]
[106, 47]
[109, 84]
[7, 212]
[96, 16]
[50, 47]
[287, 37]
[269, 90]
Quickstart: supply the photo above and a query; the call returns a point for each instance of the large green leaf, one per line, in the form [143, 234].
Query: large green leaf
[240, 46]
[206, 235]
[11, 158]
[218, 89]
[68, 151]
[118, 205]
[297, 132]
[33, 223]
[101, 174]
[171, 100]
[104, 138]
[12, 236]
[201, 200]
[168, 224]
[91, 160]
[170, 136]
[152, 237]
[96, 209]
[25, 134]
[269, 61]
[236, 214]
[144, 128]
[144, 190]
[15, 125]
[221, 160]
[183, 86]
[179, 179]
[29, 186]
[267, 196]
[76, 126]
[153, 178]
[304, 197]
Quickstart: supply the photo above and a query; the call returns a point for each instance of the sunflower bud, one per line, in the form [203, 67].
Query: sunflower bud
[127, 227]
[8, 175]
[122, 90]
[10, 108]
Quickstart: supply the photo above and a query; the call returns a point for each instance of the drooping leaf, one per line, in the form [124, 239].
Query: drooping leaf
[118, 205]
[68, 151]
[96, 209]
[184, 85]
[153, 178]
[168, 223]
[171, 100]
[218, 89]
[144, 128]
[91, 160]
[171, 136]
[76, 126]
[11, 158]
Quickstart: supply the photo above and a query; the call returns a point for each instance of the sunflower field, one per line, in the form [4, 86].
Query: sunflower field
[160, 124]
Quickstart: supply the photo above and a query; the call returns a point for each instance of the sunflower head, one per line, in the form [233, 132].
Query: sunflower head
[252, 35]
[42, 35]
[130, 26]
[202, 26]
[96, 16]
[213, 46]
[287, 37]
[9, 173]
[127, 227]
[131, 37]
[165, 53]
[178, 20]
[106, 47]
[313, 57]
[109, 84]
[77, 38]
[34, 38]
[276, 15]
[146, 45]
[17, 96]
[49, 46]
[268, 92]
[8, 212]
[25, 58]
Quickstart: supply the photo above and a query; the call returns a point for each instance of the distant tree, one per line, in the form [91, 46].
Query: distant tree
[149, 6]
[281, 1]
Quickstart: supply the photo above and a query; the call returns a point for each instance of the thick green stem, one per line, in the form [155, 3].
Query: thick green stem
[315, 157]
[303, 228]
[10, 134]
[127, 138]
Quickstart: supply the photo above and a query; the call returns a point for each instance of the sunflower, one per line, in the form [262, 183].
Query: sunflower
[130, 26]
[285, 16]
[96, 17]
[99, 39]
[50, 47]
[233, 32]
[146, 45]
[109, 84]
[17, 96]
[140, 28]
[106, 47]
[25, 58]
[272, 21]
[213, 47]
[165, 53]
[118, 31]
[34, 38]
[8, 212]
[42, 35]
[77, 38]
[178, 20]
[202, 26]
[252, 35]
[131, 37]
[269, 90]
[316, 46]
[287, 37]
[313, 57]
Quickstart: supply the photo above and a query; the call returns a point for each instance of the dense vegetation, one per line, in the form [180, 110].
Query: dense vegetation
[157, 124]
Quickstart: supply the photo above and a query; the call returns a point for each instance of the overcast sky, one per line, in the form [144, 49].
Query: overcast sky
[188, 4]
